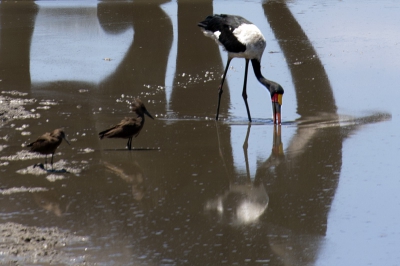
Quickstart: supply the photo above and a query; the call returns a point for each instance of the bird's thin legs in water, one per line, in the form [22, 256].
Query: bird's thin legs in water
[220, 86]
[52, 155]
[244, 93]
[129, 144]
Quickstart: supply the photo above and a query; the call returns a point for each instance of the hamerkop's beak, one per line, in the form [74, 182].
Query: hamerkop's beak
[148, 114]
[66, 140]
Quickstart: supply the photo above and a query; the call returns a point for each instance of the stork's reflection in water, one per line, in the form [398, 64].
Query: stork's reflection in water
[245, 201]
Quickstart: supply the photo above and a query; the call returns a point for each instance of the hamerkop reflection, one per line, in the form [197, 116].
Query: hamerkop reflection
[129, 127]
[48, 143]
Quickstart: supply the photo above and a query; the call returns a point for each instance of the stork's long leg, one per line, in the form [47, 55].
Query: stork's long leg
[220, 86]
[244, 93]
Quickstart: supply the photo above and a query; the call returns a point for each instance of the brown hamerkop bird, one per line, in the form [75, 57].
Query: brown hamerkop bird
[129, 127]
[48, 143]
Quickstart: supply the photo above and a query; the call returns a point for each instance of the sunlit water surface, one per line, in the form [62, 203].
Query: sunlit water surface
[319, 190]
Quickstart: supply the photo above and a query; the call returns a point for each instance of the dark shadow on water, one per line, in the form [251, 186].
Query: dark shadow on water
[302, 183]
[145, 62]
[255, 121]
[313, 90]
[15, 45]
[55, 171]
[196, 56]
[134, 149]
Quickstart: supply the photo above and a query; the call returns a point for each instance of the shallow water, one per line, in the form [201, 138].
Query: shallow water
[321, 189]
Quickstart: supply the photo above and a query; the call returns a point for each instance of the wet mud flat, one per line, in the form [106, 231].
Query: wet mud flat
[21, 244]
[12, 107]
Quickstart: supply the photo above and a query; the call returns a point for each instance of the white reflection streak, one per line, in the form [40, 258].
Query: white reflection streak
[171, 8]
[248, 211]
[240, 205]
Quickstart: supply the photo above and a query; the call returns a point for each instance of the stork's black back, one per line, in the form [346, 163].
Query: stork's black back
[216, 22]
[226, 24]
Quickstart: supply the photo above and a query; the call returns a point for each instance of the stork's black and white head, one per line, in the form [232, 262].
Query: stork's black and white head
[242, 39]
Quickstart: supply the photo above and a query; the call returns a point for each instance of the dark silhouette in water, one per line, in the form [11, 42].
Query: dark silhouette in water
[48, 143]
[129, 127]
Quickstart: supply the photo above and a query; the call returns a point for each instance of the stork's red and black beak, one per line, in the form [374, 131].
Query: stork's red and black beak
[276, 107]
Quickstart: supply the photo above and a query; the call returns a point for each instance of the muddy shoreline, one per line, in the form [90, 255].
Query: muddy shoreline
[21, 245]
[13, 108]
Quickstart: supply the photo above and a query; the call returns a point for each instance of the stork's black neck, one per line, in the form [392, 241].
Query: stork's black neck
[272, 86]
